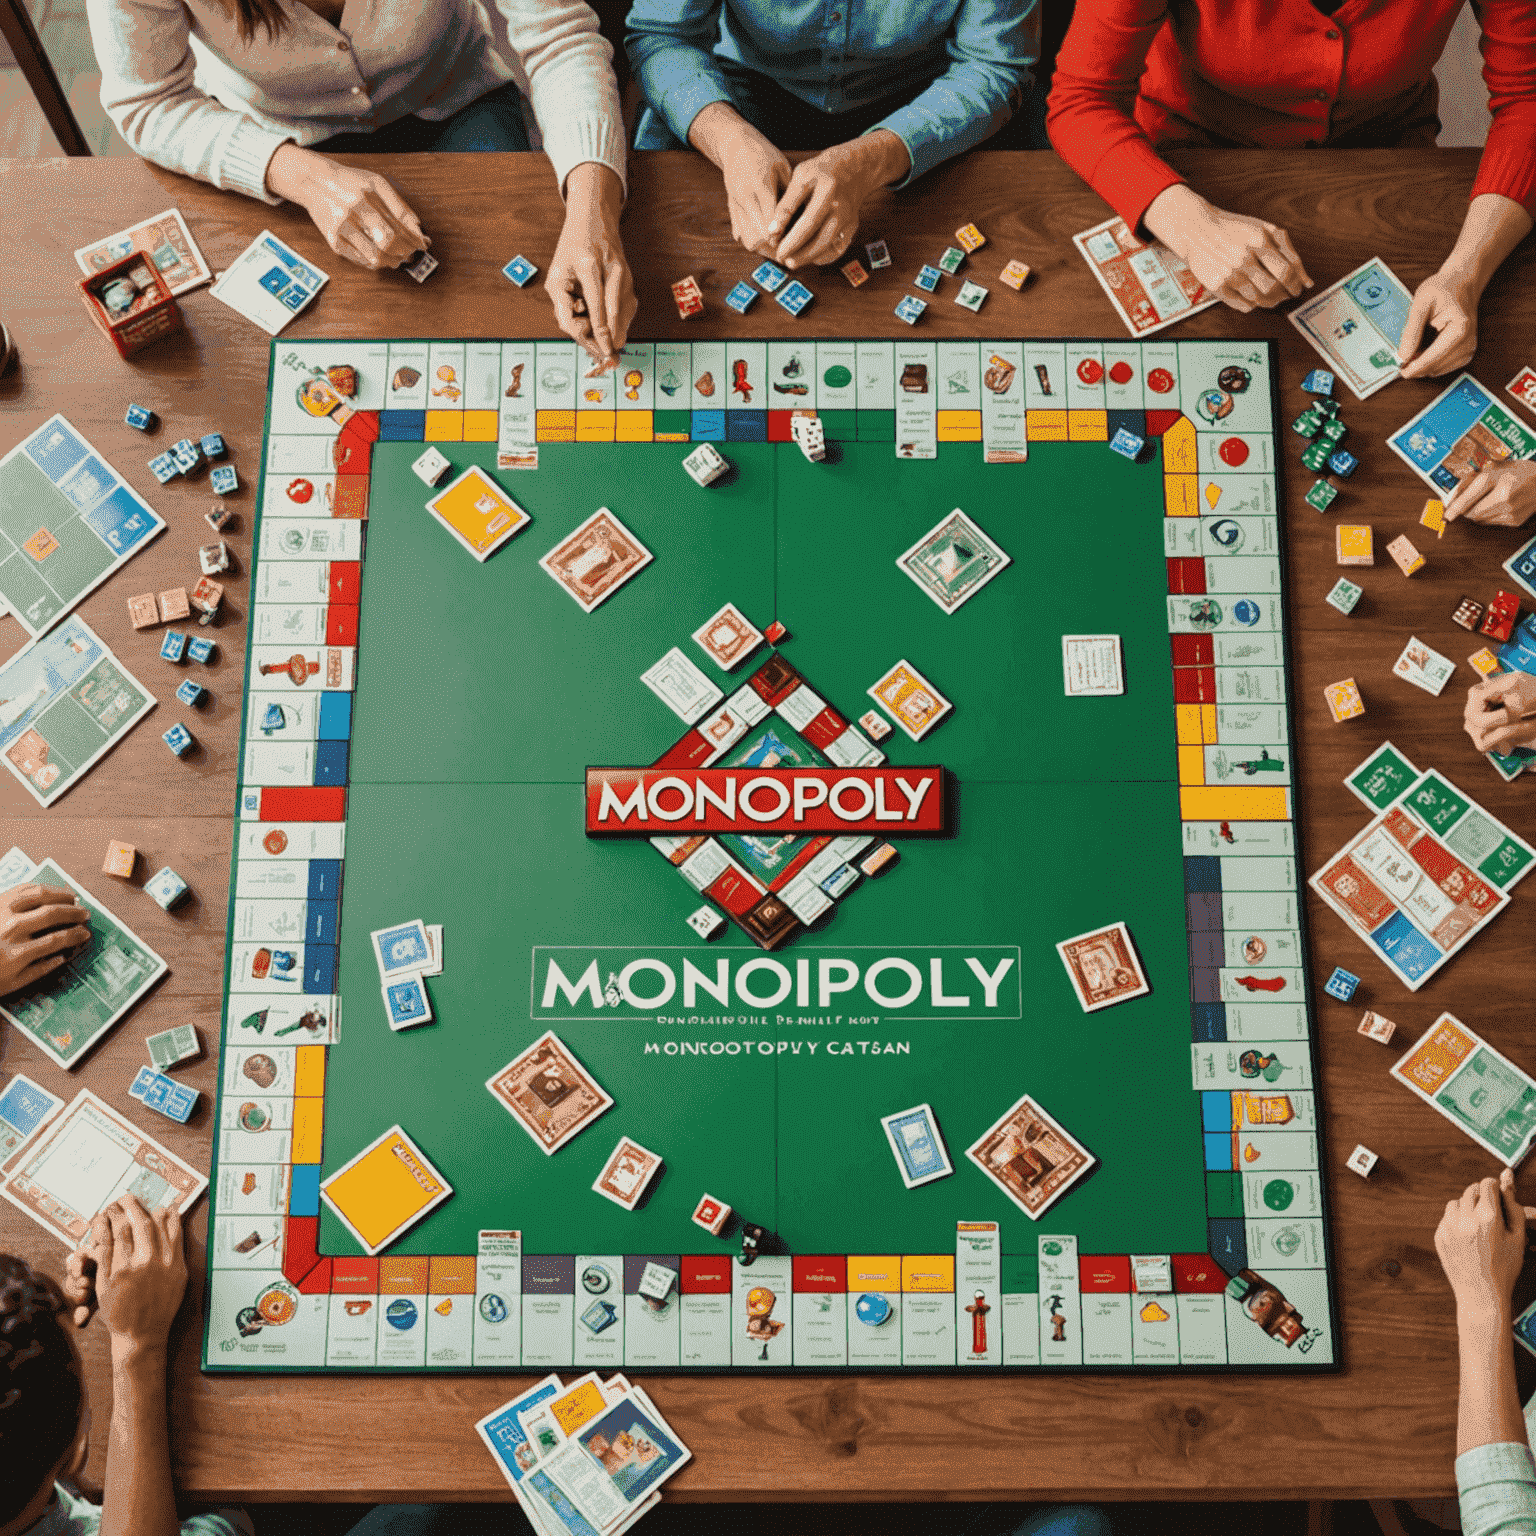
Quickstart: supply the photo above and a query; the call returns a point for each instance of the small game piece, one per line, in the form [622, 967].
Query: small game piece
[970, 238]
[1318, 382]
[769, 277]
[1326, 407]
[191, 693]
[810, 436]
[171, 1047]
[751, 1241]
[879, 255]
[1353, 545]
[1499, 621]
[421, 266]
[1315, 457]
[1424, 667]
[163, 468]
[1375, 1027]
[1468, 614]
[200, 650]
[431, 467]
[173, 604]
[1343, 463]
[775, 633]
[178, 739]
[1341, 984]
[120, 860]
[1015, 274]
[139, 417]
[1322, 495]
[224, 480]
[741, 298]
[1344, 596]
[218, 517]
[1484, 662]
[794, 298]
[1361, 1161]
[1127, 444]
[142, 612]
[1308, 424]
[879, 858]
[406, 1003]
[853, 270]
[206, 597]
[656, 1282]
[165, 887]
[187, 455]
[911, 309]
[711, 1214]
[927, 279]
[688, 297]
[1333, 431]
[1404, 555]
[1433, 516]
[1344, 701]
[874, 725]
[174, 646]
[971, 296]
[706, 922]
[519, 271]
[951, 260]
[706, 464]
[212, 445]
[154, 1090]
[213, 558]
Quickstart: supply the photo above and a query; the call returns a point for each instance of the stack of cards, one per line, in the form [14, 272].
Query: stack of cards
[406, 954]
[584, 1459]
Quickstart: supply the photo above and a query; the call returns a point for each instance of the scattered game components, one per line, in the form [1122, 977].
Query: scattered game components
[769, 277]
[927, 279]
[1374, 1027]
[1452, 1070]
[1341, 984]
[269, 283]
[706, 464]
[1322, 495]
[656, 1282]
[187, 455]
[711, 1214]
[810, 436]
[752, 1237]
[120, 860]
[951, 260]
[1318, 382]
[1092, 667]
[178, 739]
[548, 1092]
[163, 468]
[595, 559]
[165, 887]
[1333, 432]
[131, 304]
[431, 467]
[141, 418]
[627, 1173]
[173, 606]
[775, 632]
[213, 558]
[917, 1146]
[970, 238]
[406, 1003]
[1342, 463]
[854, 271]
[1127, 444]
[1103, 967]
[1015, 274]
[206, 597]
[911, 700]
[174, 646]
[971, 296]
[878, 859]
[521, 271]
[728, 637]
[1424, 667]
[191, 693]
[1353, 545]
[1315, 457]
[478, 513]
[200, 649]
[1499, 621]
[1344, 596]
[1026, 1124]
[421, 266]
[224, 480]
[741, 298]
[706, 922]
[1523, 387]
[910, 309]
[1361, 1161]
[385, 1190]
[1344, 701]
[1404, 555]
[879, 255]
[1355, 326]
[212, 445]
[875, 725]
[1309, 423]
[154, 1090]
[1484, 662]
[1468, 614]
[401, 950]
[142, 611]
[794, 298]
[218, 517]
[171, 1047]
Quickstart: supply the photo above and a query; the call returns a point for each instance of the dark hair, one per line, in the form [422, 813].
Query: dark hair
[267, 14]
[40, 1389]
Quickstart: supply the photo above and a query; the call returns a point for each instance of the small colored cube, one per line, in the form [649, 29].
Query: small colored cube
[1318, 382]
[191, 693]
[1353, 544]
[769, 277]
[1468, 614]
[1308, 424]
[854, 271]
[1015, 274]
[212, 445]
[143, 613]
[173, 605]
[705, 464]
[927, 279]
[519, 271]
[874, 725]
[206, 597]
[1341, 984]
[120, 860]
[1433, 517]
[1362, 1160]
[775, 632]
[794, 297]
[174, 1100]
[1326, 407]
[213, 558]
[741, 298]
[1127, 444]
[186, 462]
[910, 309]
[218, 517]
[200, 650]
[879, 255]
[1374, 1027]
[1322, 495]
[1404, 555]
[1343, 463]
[165, 887]
[688, 297]
[224, 480]
[431, 467]
[174, 646]
[969, 238]
[163, 468]
[179, 740]
[706, 922]
[171, 1047]
[1333, 432]
[1315, 457]
[951, 261]
[1499, 621]
[712, 1215]
[1484, 662]
[137, 416]
[971, 296]
[186, 447]
[1344, 596]
[1344, 701]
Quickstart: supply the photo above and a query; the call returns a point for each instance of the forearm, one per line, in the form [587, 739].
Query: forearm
[1493, 227]
[138, 1499]
[1488, 1403]
[964, 107]
[593, 190]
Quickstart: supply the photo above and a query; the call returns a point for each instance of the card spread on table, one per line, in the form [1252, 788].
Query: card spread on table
[478, 513]
[728, 637]
[912, 701]
[1424, 667]
[385, 1190]
[1103, 967]
[1091, 666]
[548, 1092]
[1382, 777]
[269, 283]
[1031, 1158]
[401, 950]
[24, 1105]
[917, 1145]
[1461, 431]
[1356, 325]
[681, 686]
[1149, 286]
[953, 561]
[627, 1173]
[596, 559]
[168, 243]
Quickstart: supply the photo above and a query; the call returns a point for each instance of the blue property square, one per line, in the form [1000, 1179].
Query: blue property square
[769, 277]
[794, 298]
[121, 521]
[335, 717]
[741, 298]
[519, 270]
[1408, 951]
[55, 450]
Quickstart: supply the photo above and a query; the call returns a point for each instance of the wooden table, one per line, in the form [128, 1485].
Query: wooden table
[1381, 1426]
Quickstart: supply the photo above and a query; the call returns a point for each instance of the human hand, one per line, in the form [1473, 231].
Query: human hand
[39, 926]
[1496, 710]
[755, 173]
[1246, 262]
[1503, 495]
[141, 1272]
[1446, 304]
[79, 1285]
[588, 280]
[818, 215]
[1481, 1243]
[360, 215]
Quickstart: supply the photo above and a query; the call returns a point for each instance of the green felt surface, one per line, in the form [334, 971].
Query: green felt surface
[484, 691]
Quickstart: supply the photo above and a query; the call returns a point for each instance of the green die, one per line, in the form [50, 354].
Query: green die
[1322, 495]
[1333, 434]
[1344, 596]
[951, 259]
[1326, 406]
[1315, 457]
[1308, 424]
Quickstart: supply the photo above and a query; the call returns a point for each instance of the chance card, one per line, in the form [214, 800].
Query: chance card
[385, 1190]
[548, 1092]
[478, 513]
[728, 637]
[627, 1173]
[1356, 326]
[1103, 967]
[269, 283]
[1091, 666]
[595, 560]
[401, 949]
[1030, 1158]
[953, 561]
[914, 703]
[681, 686]
[168, 243]
[917, 1146]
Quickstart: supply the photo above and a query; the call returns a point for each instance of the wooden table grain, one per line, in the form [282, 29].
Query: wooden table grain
[1384, 1424]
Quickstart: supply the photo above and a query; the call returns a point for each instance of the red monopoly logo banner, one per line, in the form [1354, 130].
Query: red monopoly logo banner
[670, 802]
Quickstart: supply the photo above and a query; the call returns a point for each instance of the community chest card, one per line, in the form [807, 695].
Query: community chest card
[548, 1092]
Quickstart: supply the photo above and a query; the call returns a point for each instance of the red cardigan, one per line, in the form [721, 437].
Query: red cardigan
[1133, 74]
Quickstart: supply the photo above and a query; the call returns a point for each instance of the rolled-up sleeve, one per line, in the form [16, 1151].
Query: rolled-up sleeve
[1497, 1485]
[670, 44]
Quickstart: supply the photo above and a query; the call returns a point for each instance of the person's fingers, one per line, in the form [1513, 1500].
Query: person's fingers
[615, 288]
[142, 1227]
[25, 897]
[40, 919]
[396, 238]
[1254, 270]
[60, 941]
[122, 1234]
[351, 243]
[1452, 328]
[802, 183]
[590, 277]
[1282, 268]
[167, 1227]
[1283, 240]
[402, 213]
[812, 219]
[1413, 327]
[1238, 294]
[1469, 493]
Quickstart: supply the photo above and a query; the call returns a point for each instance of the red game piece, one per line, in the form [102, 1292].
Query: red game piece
[1499, 622]
[774, 633]
[688, 297]
[1233, 451]
[1160, 381]
[1090, 370]
[1121, 372]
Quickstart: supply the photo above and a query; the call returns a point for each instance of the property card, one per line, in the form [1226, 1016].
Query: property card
[549, 1093]
[65, 702]
[917, 1146]
[82, 1159]
[1091, 666]
[1103, 967]
[627, 1173]
[615, 1463]
[24, 1105]
[1149, 286]
[68, 520]
[1424, 667]
[728, 637]
[385, 1190]
[1474, 1086]
[1382, 777]
[1498, 855]
[1031, 1158]
[168, 243]
[402, 950]
[74, 1006]
[478, 513]
[596, 559]
[1523, 387]
[269, 283]
[953, 561]
[681, 686]
[1458, 433]
[1356, 326]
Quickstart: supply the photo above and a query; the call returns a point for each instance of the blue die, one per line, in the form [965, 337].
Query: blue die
[174, 646]
[911, 309]
[741, 298]
[1127, 444]
[769, 277]
[1342, 984]
[178, 739]
[1343, 464]
[191, 694]
[212, 445]
[163, 468]
[224, 480]
[927, 279]
[519, 270]
[794, 298]
[1318, 382]
[200, 650]
[138, 417]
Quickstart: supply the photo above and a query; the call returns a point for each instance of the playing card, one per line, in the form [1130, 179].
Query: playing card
[1461, 431]
[401, 950]
[24, 1105]
[681, 686]
[435, 944]
[728, 637]
[912, 701]
[1091, 666]
[478, 513]
[269, 283]
[384, 1190]
[1523, 387]
[1382, 777]
[1149, 286]
[1030, 1157]
[627, 1173]
[548, 1092]
[953, 561]
[1424, 667]
[406, 1002]
[917, 1146]
[1103, 967]
[168, 243]
[596, 559]
[1356, 325]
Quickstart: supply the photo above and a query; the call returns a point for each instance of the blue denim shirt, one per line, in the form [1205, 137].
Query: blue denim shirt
[1497, 1484]
[965, 63]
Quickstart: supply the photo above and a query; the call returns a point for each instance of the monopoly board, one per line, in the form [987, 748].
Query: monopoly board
[892, 812]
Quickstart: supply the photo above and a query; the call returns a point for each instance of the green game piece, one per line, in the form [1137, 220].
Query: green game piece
[1334, 432]
[1308, 424]
[1326, 405]
[951, 259]
[837, 377]
[1322, 495]
[1315, 456]
[1344, 596]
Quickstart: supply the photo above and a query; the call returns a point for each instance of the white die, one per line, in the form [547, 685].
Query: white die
[705, 464]
[1361, 1161]
[431, 467]
[809, 433]
[706, 922]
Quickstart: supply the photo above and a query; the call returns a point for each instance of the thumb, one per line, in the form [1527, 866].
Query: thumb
[1413, 327]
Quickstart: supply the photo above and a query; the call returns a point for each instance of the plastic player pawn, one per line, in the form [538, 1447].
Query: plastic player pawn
[751, 1243]
[1361, 1161]
[705, 464]
[810, 436]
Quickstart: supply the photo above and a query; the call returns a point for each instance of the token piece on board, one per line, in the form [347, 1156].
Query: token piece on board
[879, 255]
[1015, 274]
[421, 266]
[431, 467]
[872, 1309]
[810, 436]
[1341, 984]
[1127, 444]
[1375, 1027]
[752, 1237]
[1090, 370]
[519, 270]
[120, 860]
[705, 464]
[1361, 1161]
[1232, 451]
[875, 725]
[775, 633]
[1353, 545]
[1160, 381]
[1468, 614]
[1234, 379]
[706, 922]
[1344, 596]
[877, 860]
[854, 271]
[1322, 495]
[143, 613]
[969, 238]
[1121, 372]
[1344, 701]
[711, 1214]
[139, 417]
[1404, 555]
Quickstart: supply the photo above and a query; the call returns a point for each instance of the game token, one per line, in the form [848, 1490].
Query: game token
[163, 468]
[178, 739]
[1424, 667]
[212, 445]
[1232, 451]
[1214, 405]
[1127, 444]
[218, 517]
[752, 1237]
[142, 611]
[769, 277]
[775, 632]
[1315, 457]
[187, 455]
[1404, 555]
[872, 1309]
[1308, 424]
[1344, 596]
[1234, 379]
[191, 693]
[213, 558]
[171, 1047]
[173, 605]
[875, 724]
[1433, 516]
[402, 949]
[627, 1173]
[224, 480]
[174, 646]
[1344, 701]
[706, 464]
[951, 260]
[1015, 274]
[854, 271]
[139, 417]
[970, 238]
[206, 597]
[1326, 407]
[879, 255]
[421, 266]
[200, 650]
[810, 437]
[656, 1282]
[1333, 432]
[1341, 984]
[519, 270]
[910, 309]
[794, 298]
[165, 887]
[154, 1090]
[927, 279]
[1484, 661]
[1499, 621]
[688, 297]
[1322, 495]
[741, 298]
[1160, 381]
[431, 467]
[1375, 1027]
[971, 296]
[1468, 614]
[1318, 382]
[1361, 1161]
[119, 860]
[706, 922]
[1342, 463]
[1090, 370]
[711, 1214]
[1353, 545]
